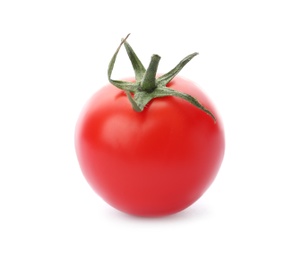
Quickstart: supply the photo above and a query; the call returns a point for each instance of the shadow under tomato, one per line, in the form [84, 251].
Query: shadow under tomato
[194, 212]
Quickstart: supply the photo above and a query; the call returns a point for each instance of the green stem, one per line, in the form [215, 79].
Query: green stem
[148, 83]
[147, 86]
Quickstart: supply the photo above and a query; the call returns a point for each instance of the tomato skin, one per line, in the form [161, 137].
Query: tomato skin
[151, 163]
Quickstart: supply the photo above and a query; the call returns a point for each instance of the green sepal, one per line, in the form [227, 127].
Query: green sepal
[134, 104]
[138, 67]
[124, 85]
[147, 87]
[166, 78]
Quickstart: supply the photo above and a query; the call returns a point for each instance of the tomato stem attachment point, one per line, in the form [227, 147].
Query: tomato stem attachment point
[147, 86]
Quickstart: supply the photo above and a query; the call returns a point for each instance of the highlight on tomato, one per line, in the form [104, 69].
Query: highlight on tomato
[149, 145]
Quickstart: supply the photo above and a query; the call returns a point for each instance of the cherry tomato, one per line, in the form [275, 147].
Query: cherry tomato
[153, 163]
[151, 145]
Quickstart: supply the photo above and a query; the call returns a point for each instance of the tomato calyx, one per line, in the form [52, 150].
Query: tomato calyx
[146, 86]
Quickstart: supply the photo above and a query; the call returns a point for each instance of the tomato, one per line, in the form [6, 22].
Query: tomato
[151, 163]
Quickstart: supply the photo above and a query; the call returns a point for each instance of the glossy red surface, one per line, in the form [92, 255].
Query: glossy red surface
[152, 163]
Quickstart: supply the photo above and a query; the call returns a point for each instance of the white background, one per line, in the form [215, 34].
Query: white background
[54, 56]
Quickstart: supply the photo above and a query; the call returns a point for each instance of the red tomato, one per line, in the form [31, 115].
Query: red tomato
[153, 163]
